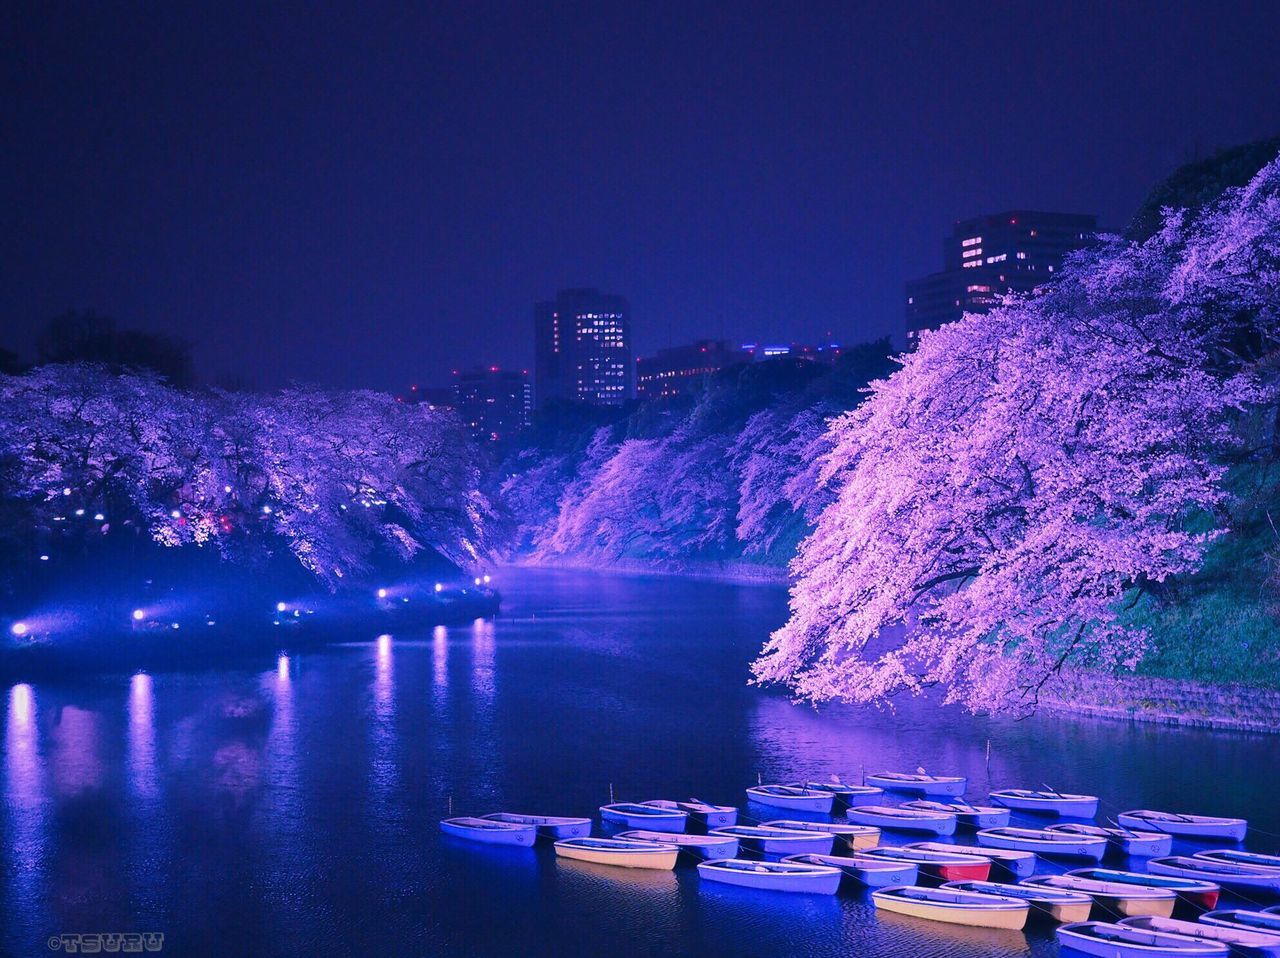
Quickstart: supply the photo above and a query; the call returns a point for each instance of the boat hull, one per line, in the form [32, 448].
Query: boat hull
[1199, 893]
[519, 836]
[659, 859]
[1261, 879]
[1013, 919]
[820, 804]
[867, 872]
[947, 787]
[553, 829]
[1082, 938]
[660, 822]
[942, 825]
[1004, 862]
[1245, 920]
[1072, 807]
[708, 847]
[817, 881]
[1252, 944]
[1091, 850]
[1063, 912]
[816, 844]
[1231, 829]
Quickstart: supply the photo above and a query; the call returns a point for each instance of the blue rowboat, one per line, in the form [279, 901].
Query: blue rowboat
[1251, 943]
[638, 815]
[1107, 940]
[1006, 861]
[1231, 874]
[897, 818]
[704, 846]
[1044, 842]
[792, 797]
[845, 793]
[490, 832]
[547, 826]
[1239, 857]
[851, 836]
[706, 815]
[1115, 897]
[971, 817]
[1046, 802]
[1265, 921]
[871, 872]
[1123, 841]
[944, 866]
[953, 906]
[1202, 894]
[919, 783]
[779, 841]
[623, 852]
[1060, 904]
[1185, 826]
[772, 876]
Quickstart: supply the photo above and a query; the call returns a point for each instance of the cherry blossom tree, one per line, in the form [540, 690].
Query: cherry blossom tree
[1026, 473]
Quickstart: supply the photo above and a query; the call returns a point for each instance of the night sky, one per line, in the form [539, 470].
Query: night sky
[372, 195]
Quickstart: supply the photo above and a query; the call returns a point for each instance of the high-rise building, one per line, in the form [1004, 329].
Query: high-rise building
[827, 353]
[988, 256]
[681, 370]
[582, 349]
[494, 403]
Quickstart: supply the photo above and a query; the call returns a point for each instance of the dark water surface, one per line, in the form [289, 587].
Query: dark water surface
[293, 810]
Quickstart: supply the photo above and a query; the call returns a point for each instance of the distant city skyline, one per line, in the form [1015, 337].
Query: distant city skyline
[362, 200]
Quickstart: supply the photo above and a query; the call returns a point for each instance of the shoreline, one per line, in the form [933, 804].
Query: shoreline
[730, 571]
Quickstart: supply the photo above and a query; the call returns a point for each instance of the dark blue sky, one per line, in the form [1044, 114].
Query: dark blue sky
[372, 194]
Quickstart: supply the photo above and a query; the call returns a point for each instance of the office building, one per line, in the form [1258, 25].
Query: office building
[494, 403]
[682, 370]
[582, 349]
[988, 256]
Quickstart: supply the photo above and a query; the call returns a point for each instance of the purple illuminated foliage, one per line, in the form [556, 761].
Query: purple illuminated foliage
[1027, 473]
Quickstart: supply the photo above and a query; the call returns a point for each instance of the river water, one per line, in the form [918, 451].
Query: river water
[292, 808]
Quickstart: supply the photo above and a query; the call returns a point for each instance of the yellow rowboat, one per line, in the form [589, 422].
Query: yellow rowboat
[1115, 897]
[1057, 904]
[954, 907]
[623, 852]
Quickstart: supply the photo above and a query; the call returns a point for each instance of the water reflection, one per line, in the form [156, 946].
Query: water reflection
[440, 658]
[142, 738]
[26, 821]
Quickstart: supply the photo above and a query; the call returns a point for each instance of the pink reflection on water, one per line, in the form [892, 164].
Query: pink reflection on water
[440, 657]
[282, 668]
[142, 737]
[482, 655]
[24, 803]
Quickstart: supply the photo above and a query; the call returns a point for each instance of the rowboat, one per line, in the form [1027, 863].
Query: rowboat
[1241, 857]
[1202, 894]
[1123, 840]
[1044, 842]
[778, 841]
[704, 846]
[1114, 896]
[792, 797]
[639, 815]
[1047, 802]
[1252, 943]
[1185, 826]
[1107, 940]
[896, 818]
[1265, 921]
[490, 832]
[1007, 861]
[772, 876]
[971, 817]
[548, 826]
[952, 906]
[624, 852]
[844, 792]
[851, 836]
[1231, 874]
[709, 816]
[1060, 904]
[944, 866]
[919, 783]
[872, 872]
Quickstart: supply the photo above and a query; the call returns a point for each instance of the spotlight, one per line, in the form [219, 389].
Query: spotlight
[280, 607]
[138, 615]
[382, 593]
[486, 580]
[19, 629]
[439, 587]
